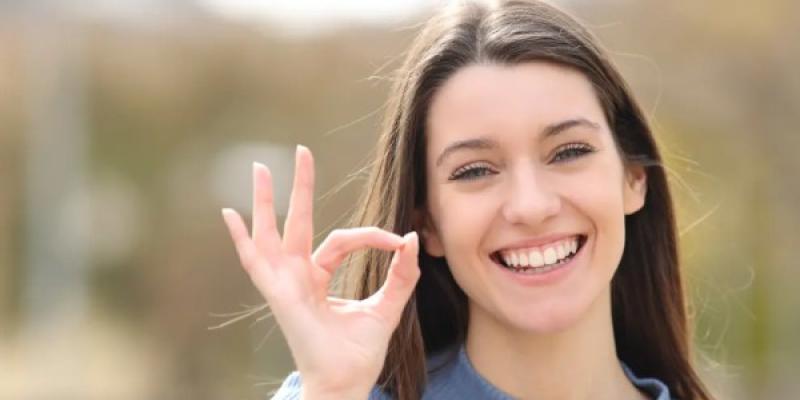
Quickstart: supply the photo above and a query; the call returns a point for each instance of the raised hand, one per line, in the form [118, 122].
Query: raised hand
[338, 345]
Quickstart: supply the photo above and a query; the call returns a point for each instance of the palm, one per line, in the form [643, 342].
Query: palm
[334, 340]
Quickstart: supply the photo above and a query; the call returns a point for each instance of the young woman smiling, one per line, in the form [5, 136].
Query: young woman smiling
[546, 266]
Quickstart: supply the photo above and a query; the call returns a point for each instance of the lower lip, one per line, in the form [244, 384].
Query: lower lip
[547, 277]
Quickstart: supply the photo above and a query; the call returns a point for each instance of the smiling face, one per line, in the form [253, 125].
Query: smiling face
[527, 193]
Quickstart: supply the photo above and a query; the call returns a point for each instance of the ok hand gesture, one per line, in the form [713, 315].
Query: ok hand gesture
[338, 345]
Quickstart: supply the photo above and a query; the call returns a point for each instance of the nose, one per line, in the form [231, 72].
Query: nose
[531, 197]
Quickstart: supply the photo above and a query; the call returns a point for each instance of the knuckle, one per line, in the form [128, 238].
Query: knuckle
[373, 230]
[247, 258]
[322, 256]
[336, 233]
[335, 240]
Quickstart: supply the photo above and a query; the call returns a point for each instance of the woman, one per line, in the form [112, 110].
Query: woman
[546, 264]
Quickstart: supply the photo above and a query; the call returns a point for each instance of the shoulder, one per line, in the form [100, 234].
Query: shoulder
[443, 374]
[451, 375]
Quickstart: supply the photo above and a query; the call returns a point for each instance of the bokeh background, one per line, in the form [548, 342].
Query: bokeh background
[126, 125]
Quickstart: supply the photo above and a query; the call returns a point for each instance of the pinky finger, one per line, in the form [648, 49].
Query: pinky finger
[241, 238]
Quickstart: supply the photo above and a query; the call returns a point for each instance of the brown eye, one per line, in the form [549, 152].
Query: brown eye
[572, 150]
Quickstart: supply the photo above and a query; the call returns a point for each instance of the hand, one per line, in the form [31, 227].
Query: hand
[338, 345]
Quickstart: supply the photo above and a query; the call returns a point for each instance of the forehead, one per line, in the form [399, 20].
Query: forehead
[487, 99]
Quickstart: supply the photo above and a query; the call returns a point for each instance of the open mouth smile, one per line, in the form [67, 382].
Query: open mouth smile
[541, 259]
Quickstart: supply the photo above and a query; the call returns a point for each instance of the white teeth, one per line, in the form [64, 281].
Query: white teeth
[550, 256]
[538, 257]
[535, 258]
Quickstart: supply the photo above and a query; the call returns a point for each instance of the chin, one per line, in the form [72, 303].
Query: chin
[548, 319]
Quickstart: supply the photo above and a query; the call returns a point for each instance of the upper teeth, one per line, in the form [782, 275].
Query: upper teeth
[539, 256]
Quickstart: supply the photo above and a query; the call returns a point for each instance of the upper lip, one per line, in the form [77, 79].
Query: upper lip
[538, 241]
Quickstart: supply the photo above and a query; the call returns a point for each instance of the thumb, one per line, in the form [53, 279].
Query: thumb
[400, 281]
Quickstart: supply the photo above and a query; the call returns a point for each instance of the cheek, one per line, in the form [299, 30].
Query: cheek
[463, 219]
[600, 198]
[467, 218]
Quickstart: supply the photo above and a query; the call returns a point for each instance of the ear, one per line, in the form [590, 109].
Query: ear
[431, 241]
[635, 188]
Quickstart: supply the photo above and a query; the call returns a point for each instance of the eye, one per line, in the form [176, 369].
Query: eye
[471, 172]
[572, 150]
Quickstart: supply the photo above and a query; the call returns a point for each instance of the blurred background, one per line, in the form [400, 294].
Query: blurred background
[126, 125]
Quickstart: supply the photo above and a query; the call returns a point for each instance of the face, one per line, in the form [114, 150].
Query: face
[527, 193]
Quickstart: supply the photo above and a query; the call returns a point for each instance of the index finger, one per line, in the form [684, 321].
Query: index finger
[341, 242]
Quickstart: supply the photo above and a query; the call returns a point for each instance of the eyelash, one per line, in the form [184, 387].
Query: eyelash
[477, 170]
[470, 172]
[575, 149]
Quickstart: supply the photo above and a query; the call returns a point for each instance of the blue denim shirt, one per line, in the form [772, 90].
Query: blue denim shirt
[456, 378]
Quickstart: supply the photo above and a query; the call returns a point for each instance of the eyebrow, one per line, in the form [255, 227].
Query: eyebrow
[485, 143]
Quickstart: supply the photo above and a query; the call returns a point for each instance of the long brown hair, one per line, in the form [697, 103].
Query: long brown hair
[648, 311]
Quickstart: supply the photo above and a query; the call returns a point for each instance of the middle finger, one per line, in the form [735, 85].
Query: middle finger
[298, 228]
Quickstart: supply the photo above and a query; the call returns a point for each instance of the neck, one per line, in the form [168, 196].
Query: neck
[577, 363]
